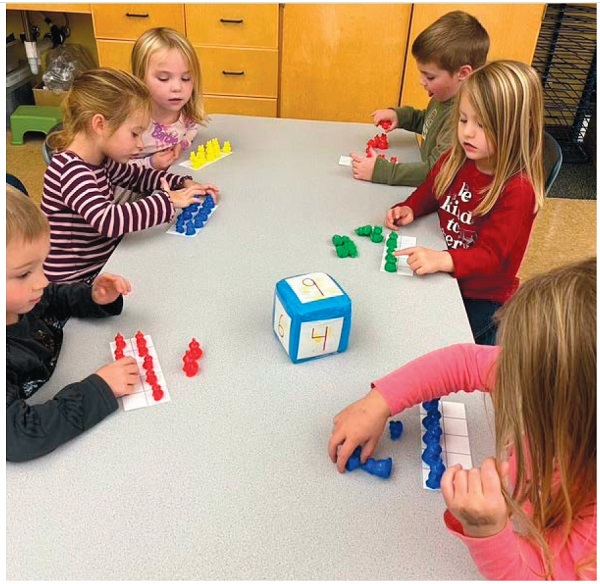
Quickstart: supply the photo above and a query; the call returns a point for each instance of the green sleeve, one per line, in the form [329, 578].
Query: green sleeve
[411, 174]
[410, 119]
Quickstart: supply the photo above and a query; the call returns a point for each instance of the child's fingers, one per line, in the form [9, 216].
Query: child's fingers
[490, 478]
[447, 483]
[405, 252]
[164, 184]
[356, 157]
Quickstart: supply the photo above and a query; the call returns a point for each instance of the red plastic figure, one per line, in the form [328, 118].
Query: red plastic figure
[151, 377]
[148, 362]
[119, 353]
[157, 392]
[393, 160]
[195, 349]
[191, 368]
[385, 124]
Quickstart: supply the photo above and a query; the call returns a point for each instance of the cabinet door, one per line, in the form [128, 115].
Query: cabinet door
[513, 30]
[129, 21]
[115, 54]
[233, 25]
[342, 61]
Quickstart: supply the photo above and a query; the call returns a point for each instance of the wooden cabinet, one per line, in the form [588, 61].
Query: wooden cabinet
[117, 27]
[513, 30]
[66, 7]
[237, 45]
[342, 61]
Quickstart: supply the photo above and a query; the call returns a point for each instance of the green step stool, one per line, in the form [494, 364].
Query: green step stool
[33, 118]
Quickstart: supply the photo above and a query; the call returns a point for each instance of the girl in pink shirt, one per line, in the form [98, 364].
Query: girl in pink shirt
[530, 512]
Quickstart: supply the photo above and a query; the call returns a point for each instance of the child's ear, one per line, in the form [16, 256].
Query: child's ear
[464, 72]
[98, 123]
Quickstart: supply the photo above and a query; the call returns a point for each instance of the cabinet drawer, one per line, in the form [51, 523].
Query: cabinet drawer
[115, 54]
[245, 72]
[242, 106]
[236, 25]
[129, 21]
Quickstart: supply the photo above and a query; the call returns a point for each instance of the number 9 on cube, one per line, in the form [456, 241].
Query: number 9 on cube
[312, 316]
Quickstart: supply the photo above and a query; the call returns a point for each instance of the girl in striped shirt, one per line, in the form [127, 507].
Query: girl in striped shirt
[106, 112]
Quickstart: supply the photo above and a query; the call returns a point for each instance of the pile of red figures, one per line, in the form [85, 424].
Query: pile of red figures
[191, 357]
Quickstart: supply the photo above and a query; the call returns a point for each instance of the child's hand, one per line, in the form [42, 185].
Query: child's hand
[386, 114]
[163, 159]
[360, 424]
[399, 216]
[106, 288]
[427, 261]
[362, 166]
[183, 197]
[121, 376]
[208, 188]
[475, 497]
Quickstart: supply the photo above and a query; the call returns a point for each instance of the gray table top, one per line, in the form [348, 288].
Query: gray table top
[231, 479]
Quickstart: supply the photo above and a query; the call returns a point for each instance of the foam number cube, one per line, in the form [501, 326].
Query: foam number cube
[312, 316]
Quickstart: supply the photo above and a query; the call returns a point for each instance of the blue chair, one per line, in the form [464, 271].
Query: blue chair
[13, 181]
[553, 159]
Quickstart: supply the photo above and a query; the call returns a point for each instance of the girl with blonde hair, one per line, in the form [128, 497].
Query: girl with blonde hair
[105, 113]
[486, 189]
[167, 63]
[530, 513]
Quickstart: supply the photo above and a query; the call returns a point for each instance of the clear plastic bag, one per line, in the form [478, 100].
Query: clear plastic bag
[63, 64]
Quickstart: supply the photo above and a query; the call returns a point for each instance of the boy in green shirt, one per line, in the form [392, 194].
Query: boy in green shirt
[446, 52]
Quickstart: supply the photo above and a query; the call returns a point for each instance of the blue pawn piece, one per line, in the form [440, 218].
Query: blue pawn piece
[186, 213]
[438, 467]
[204, 213]
[433, 480]
[179, 227]
[379, 468]
[431, 454]
[431, 405]
[433, 434]
[354, 460]
[430, 422]
[396, 428]
[198, 221]
[189, 229]
[209, 202]
[194, 207]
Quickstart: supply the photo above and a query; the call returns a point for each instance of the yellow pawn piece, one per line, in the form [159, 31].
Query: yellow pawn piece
[227, 147]
[217, 149]
[200, 150]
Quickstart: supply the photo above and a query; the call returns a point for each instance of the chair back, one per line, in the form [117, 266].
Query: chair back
[553, 159]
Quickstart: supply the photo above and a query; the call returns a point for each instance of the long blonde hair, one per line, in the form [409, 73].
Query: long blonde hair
[158, 39]
[508, 99]
[116, 95]
[545, 398]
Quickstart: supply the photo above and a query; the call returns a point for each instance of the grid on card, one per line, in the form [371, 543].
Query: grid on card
[142, 392]
[455, 437]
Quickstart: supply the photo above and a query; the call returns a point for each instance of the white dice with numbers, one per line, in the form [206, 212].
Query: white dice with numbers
[312, 316]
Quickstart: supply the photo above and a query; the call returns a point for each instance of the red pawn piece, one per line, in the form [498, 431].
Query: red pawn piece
[157, 392]
[385, 124]
[368, 151]
[120, 341]
[393, 160]
[383, 142]
[119, 353]
[148, 362]
[190, 367]
[151, 377]
[195, 350]
[139, 336]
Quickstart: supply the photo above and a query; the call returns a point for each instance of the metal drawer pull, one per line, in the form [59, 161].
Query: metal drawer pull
[134, 15]
[232, 72]
[232, 21]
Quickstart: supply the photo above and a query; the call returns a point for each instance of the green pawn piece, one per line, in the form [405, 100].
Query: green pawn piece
[391, 267]
[376, 237]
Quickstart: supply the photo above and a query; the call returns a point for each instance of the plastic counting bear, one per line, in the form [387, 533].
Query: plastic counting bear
[312, 316]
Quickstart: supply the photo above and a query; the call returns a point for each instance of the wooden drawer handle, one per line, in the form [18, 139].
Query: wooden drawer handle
[134, 15]
[232, 21]
[232, 72]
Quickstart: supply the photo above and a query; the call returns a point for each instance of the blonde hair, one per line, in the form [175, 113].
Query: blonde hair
[452, 41]
[507, 98]
[116, 95]
[158, 39]
[24, 219]
[545, 398]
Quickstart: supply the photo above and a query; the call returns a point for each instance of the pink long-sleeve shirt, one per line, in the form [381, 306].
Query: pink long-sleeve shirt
[506, 555]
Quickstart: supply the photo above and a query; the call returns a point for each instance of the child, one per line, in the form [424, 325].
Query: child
[542, 381]
[167, 63]
[486, 189]
[446, 52]
[106, 112]
[34, 311]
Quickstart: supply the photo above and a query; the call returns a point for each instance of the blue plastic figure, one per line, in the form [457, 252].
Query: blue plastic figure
[198, 221]
[194, 207]
[209, 202]
[186, 213]
[396, 429]
[433, 480]
[428, 406]
[431, 453]
[189, 228]
[179, 227]
[433, 434]
[354, 461]
[379, 468]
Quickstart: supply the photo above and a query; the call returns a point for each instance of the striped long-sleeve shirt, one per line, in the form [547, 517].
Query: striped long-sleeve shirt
[86, 224]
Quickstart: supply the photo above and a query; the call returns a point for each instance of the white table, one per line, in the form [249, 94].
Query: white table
[231, 479]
